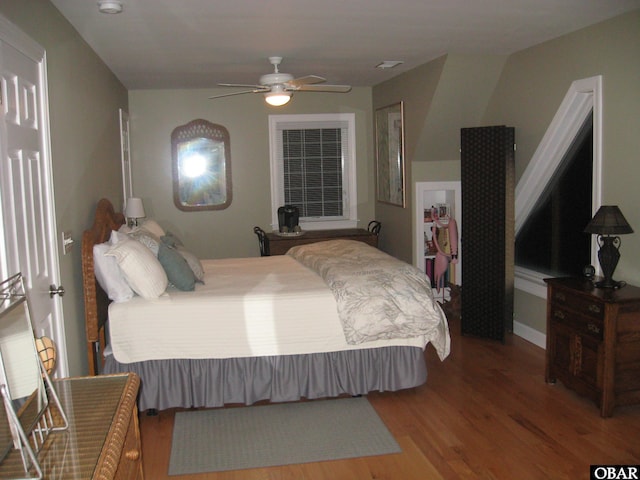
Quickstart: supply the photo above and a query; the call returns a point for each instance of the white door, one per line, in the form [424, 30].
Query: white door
[28, 220]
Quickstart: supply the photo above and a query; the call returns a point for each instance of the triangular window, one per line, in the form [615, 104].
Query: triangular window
[556, 196]
[552, 239]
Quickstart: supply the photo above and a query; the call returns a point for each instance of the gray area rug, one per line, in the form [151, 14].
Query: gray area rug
[279, 434]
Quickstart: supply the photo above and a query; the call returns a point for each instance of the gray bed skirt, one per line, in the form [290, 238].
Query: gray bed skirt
[216, 382]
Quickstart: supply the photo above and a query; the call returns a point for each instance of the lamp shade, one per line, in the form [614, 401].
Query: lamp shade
[608, 220]
[134, 208]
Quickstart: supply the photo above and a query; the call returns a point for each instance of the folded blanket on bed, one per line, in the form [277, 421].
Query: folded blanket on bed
[378, 296]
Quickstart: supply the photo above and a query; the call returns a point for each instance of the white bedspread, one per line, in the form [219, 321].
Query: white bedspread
[247, 307]
[378, 296]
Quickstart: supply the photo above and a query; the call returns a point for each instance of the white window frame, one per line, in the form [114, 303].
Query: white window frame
[583, 97]
[349, 192]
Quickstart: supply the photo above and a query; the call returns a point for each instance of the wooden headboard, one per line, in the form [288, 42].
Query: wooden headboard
[96, 302]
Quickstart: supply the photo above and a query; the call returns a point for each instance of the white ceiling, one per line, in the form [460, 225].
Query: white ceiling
[199, 43]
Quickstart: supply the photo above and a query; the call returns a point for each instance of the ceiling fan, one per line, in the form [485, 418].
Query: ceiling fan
[278, 87]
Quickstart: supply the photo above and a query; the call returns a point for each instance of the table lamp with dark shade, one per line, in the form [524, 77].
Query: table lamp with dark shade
[608, 223]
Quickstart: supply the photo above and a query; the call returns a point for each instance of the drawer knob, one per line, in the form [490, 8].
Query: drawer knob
[560, 296]
[559, 314]
[593, 328]
[594, 308]
[132, 455]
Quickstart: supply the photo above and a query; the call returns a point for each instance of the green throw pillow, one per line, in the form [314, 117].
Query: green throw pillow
[176, 267]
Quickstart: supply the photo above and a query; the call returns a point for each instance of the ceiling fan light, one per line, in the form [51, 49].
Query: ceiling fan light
[277, 99]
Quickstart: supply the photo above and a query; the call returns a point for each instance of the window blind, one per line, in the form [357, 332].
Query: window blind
[313, 167]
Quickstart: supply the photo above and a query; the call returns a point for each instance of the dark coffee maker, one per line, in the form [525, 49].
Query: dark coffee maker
[288, 216]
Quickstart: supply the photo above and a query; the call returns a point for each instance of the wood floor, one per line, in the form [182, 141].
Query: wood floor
[485, 412]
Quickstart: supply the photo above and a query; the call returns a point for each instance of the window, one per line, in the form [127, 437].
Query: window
[581, 108]
[552, 240]
[313, 168]
[312, 160]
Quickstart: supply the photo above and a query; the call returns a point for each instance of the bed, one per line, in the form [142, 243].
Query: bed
[278, 328]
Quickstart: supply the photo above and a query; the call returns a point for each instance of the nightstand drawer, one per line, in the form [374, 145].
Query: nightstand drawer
[593, 327]
[584, 306]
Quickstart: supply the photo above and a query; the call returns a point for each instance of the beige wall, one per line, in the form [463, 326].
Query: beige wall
[84, 98]
[416, 90]
[523, 90]
[229, 232]
[533, 84]
[439, 98]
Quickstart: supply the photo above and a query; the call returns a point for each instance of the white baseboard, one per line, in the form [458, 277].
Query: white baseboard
[530, 334]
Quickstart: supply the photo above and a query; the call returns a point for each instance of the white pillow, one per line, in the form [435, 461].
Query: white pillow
[147, 238]
[109, 275]
[118, 236]
[153, 227]
[141, 268]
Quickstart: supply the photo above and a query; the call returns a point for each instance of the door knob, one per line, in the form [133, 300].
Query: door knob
[53, 290]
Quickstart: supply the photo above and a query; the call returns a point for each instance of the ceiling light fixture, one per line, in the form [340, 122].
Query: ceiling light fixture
[277, 96]
[110, 6]
[389, 64]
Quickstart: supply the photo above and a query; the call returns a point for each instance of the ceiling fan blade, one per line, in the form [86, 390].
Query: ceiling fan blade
[324, 88]
[238, 93]
[260, 87]
[308, 80]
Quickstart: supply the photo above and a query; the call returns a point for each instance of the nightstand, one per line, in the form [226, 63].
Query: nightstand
[593, 341]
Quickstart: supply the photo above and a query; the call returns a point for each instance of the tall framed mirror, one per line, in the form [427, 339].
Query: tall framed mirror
[390, 165]
[201, 163]
[25, 387]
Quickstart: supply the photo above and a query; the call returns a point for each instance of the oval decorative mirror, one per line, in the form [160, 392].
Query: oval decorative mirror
[201, 161]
